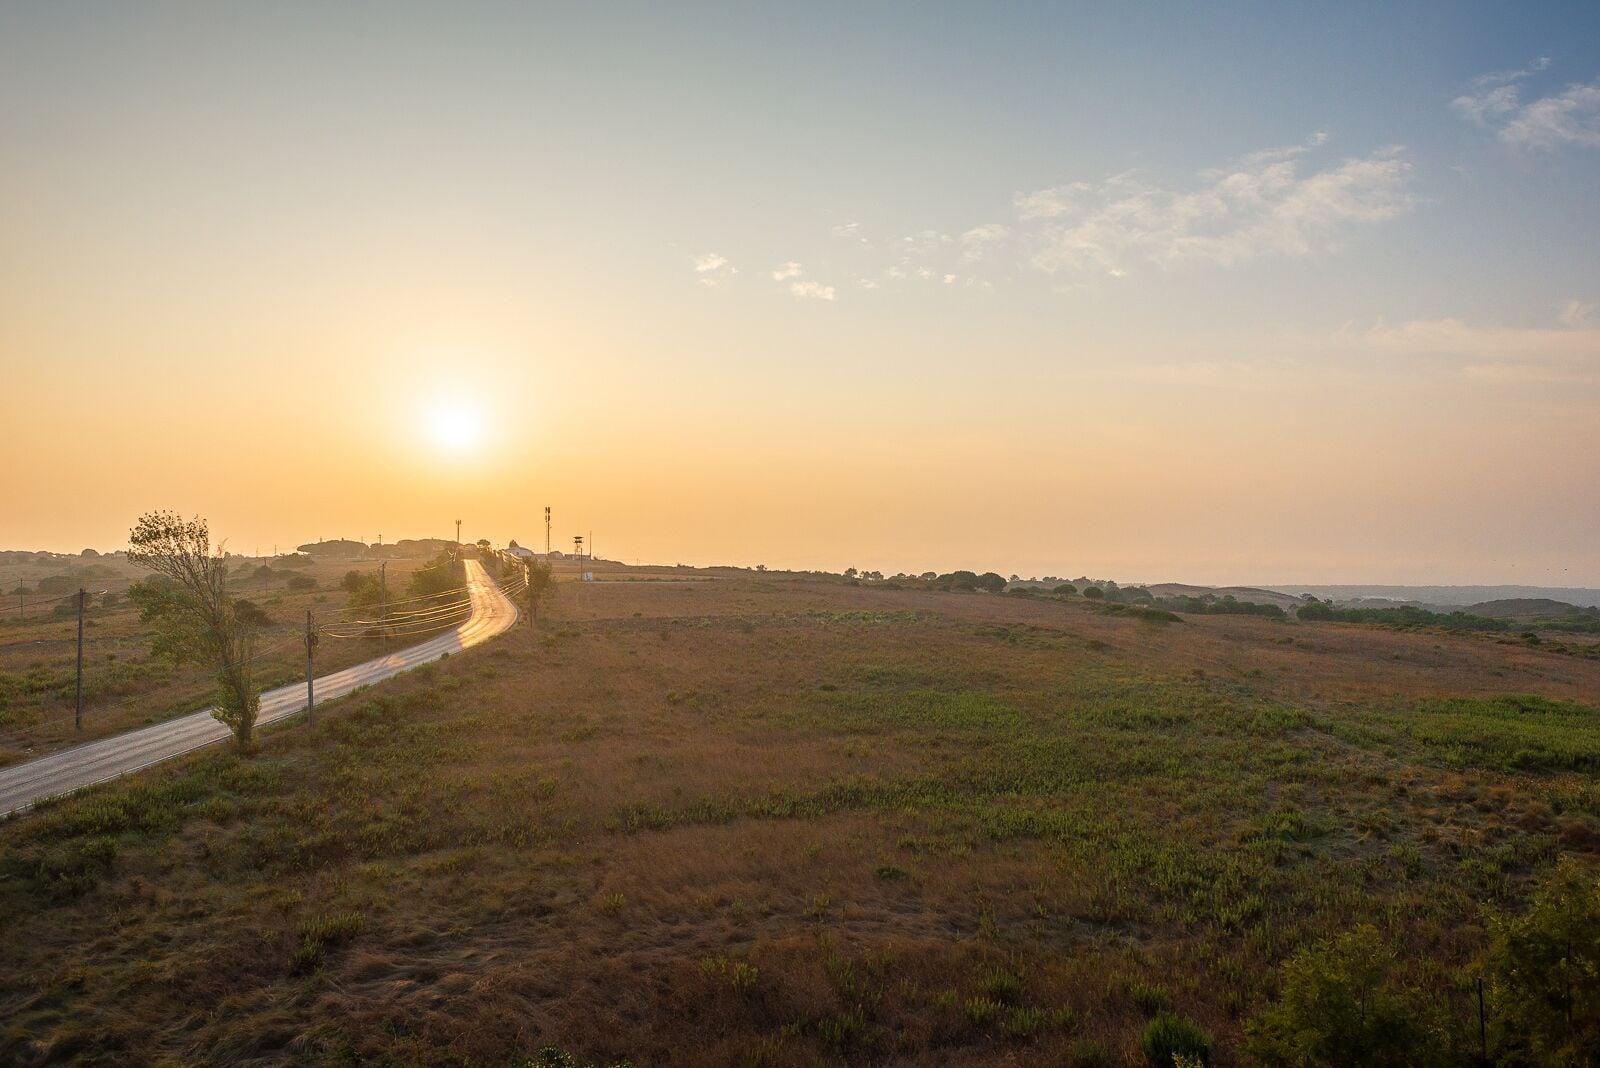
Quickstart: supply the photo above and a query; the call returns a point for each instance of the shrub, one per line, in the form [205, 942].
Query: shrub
[1151, 1000]
[319, 936]
[1168, 1037]
[1087, 1053]
[250, 614]
[1544, 969]
[1340, 1005]
[301, 582]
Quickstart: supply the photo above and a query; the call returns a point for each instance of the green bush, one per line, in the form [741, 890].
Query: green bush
[1342, 1005]
[1169, 1036]
[1544, 972]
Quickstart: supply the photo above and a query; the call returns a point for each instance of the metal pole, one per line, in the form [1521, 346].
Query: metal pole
[383, 598]
[311, 697]
[77, 718]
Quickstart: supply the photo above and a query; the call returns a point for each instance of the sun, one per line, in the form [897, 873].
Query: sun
[455, 427]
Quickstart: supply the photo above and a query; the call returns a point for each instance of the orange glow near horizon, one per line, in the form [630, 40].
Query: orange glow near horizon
[308, 289]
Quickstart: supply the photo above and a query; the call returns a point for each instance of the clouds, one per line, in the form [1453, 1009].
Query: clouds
[713, 269]
[1569, 352]
[1262, 205]
[1284, 201]
[1569, 117]
[811, 291]
[1050, 203]
[980, 242]
[1577, 314]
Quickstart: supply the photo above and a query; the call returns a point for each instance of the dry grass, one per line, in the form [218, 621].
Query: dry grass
[782, 822]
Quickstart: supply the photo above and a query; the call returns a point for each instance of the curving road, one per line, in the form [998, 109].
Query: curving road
[21, 785]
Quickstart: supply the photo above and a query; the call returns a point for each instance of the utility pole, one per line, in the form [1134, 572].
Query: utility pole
[458, 532]
[77, 718]
[383, 592]
[547, 531]
[311, 697]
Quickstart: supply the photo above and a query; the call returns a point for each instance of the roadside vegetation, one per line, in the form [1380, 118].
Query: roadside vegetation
[125, 683]
[789, 821]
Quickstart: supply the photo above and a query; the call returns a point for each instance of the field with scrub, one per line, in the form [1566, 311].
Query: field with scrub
[124, 686]
[770, 820]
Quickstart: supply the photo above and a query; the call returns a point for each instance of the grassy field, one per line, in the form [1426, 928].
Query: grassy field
[124, 686]
[777, 821]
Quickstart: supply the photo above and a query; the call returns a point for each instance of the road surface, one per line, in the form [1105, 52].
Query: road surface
[72, 769]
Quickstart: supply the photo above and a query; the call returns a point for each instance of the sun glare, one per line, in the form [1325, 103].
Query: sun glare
[455, 428]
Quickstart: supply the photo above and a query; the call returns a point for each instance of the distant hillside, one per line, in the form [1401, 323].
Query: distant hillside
[1452, 596]
[1239, 593]
[1528, 609]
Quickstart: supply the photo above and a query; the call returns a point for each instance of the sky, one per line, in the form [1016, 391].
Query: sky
[1214, 293]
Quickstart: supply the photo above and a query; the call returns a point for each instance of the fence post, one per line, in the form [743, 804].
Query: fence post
[311, 697]
[77, 716]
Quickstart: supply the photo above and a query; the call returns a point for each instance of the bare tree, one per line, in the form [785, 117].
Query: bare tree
[196, 618]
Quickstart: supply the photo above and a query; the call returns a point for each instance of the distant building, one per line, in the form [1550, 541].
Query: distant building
[520, 553]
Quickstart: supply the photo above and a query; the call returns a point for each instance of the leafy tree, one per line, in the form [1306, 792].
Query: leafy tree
[1544, 972]
[194, 615]
[442, 575]
[541, 588]
[364, 588]
[1094, 593]
[1067, 589]
[1341, 1005]
[990, 581]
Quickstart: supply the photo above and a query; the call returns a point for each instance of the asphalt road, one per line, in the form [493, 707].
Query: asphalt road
[72, 769]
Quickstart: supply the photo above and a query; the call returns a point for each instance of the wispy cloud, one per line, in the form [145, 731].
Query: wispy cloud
[1577, 314]
[713, 269]
[811, 291]
[981, 241]
[1259, 206]
[1569, 352]
[1050, 203]
[1277, 201]
[1569, 117]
